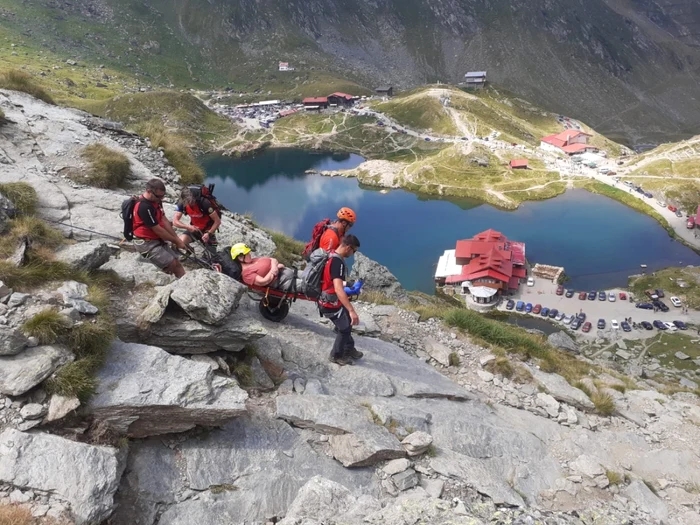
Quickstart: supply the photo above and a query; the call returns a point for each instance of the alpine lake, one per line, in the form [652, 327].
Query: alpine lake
[599, 241]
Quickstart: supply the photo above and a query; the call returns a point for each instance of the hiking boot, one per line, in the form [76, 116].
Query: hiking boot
[354, 353]
[342, 360]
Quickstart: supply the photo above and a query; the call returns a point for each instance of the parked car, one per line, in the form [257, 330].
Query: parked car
[645, 306]
[528, 308]
[670, 326]
[537, 309]
[679, 214]
[581, 316]
[648, 195]
[545, 312]
[569, 293]
[626, 326]
[576, 324]
[647, 325]
[660, 293]
[602, 296]
[553, 313]
[661, 203]
[651, 294]
[611, 297]
[660, 325]
[675, 301]
[530, 281]
[601, 324]
[568, 319]
[560, 290]
[623, 296]
[614, 324]
[592, 295]
[691, 223]
[582, 296]
[672, 208]
[680, 325]
[427, 139]
[660, 305]
[510, 304]
[560, 316]
[520, 306]
[586, 327]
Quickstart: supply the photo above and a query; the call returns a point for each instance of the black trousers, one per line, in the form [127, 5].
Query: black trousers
[344, 342]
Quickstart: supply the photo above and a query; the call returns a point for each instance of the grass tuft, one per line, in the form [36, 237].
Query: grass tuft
[604, 403]
[619, 388]
[22, 195]
[176, 150]
[501, 366]
[108, 168]
[614, 478]
[47, 326]
[454, 359]
[76, 379]
[17, 80]
[376, 297]
[287, 250]
[36, 272]
[224, 487]
[243, 373]
[431, 452]
[15, 515]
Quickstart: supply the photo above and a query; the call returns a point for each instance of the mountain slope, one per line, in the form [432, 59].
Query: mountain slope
[627, 67]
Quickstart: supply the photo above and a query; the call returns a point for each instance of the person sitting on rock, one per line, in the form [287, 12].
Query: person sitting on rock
[263, 271]
[204, 219]
[330, 239]
[152, 230]
[335, 305]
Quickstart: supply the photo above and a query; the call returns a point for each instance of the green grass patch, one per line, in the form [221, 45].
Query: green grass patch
[683, 283]
[22, 195]
[17, 80]
[501, 366]
[108, 168]
[176, 150]
[454, 359]
[287, 250]
[614, 478]
[36, 272]
[376, 297]
[665, 345]
[420, 112]
[604, 403]
[47, 326]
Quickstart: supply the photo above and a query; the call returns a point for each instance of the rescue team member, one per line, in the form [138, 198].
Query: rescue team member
[335, 304]
[152, 230]
[330, 240]
[260, 271]
[204, 219]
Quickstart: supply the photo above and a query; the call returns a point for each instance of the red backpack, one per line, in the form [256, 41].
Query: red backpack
[316, 234]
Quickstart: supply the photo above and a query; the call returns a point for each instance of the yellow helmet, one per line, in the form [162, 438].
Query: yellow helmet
[239, 249]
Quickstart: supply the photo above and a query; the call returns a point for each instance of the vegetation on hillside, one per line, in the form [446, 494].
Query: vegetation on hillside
[17, 80]
[108, 168]
[420, 112]
[683, 283]
[22, 195]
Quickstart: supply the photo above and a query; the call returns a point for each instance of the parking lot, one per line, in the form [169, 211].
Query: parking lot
[544, 293]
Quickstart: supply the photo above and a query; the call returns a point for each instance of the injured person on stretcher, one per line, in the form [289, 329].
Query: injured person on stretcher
[261, 271]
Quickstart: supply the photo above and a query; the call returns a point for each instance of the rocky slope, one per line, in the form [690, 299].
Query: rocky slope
[627, 67]
[233, 419]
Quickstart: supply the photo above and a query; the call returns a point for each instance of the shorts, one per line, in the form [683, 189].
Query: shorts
[157, 252]
[197, 236]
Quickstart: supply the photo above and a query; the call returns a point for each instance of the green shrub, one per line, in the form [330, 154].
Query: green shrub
[22, 195]
[243, 373]
[46, 326]
[502, 366]
[17, 80]
[454, 359]
[76, 378]
[108, 168]
[614, 478]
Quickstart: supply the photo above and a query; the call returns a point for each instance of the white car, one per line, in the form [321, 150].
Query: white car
[661, 203]
[568, 319]
[530, 281]
[560, 316]
[675, 301]
[670, 326]
[615, 325]
[611, 297]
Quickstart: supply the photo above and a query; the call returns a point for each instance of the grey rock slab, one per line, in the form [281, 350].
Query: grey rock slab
[548, 403]
[678, 496]
[71, 290]
[322, 500]
[405, 480]
[17, 299]
[396, 465]
[22, 372]
[12, 341]
[376, 277]
[561, 390]
[384, 310]
[681, 356]
[355, 440]
[61, 406]
[646, 500]
[367, 326]
[135, 269]
[433, 487]
[84, 307]
[587, 465]
[32, 411]
[86, 476]
[417, 443]
[623, 354]
[144, 391]
[207, 296]
[437, 351]
[86, 256]
[688, 383]
[563, 341]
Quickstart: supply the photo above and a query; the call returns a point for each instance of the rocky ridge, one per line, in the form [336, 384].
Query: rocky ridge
[409, 433]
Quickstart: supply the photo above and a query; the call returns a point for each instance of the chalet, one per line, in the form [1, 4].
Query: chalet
[385, 91]
[570, 141]
[284, 66]
[475, 79]
[341, 99]
[484, 267]
[315, 103]
[518, 164]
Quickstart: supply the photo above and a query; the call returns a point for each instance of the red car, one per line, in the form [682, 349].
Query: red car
[537, 309]
[586, 327]
[583, 295]
[623, 296]
[560, 290]
[672, 208]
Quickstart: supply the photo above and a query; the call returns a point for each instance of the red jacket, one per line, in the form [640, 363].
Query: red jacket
[154, 213]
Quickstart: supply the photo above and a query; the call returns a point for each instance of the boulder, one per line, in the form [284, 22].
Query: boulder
[61, 406]
[646, 500]
[437, 351]
[135, 269]
[355, 440]
[396, 465]
[12, 341]
[561, 390]
[144, 391]
[86, 256]
[74, 294]
[236, 228]
[376, 277]
[548, 403]
[587, 465]
[562, 341]
[417, 443]
[22, 372]
[405, 480]
[320, 499]
[17, 299]
[85, 476]
[207, 296]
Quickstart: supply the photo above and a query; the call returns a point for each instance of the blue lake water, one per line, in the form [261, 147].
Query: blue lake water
[599, 241]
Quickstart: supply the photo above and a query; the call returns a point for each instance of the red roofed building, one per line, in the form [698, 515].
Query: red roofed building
[518, 164]
[315, 102]
[491, 265]
[569, 141]
[341, 99]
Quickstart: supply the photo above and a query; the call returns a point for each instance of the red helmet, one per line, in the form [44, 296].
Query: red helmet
[346, 214]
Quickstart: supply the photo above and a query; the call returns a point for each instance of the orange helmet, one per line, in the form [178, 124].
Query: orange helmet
[346, 214]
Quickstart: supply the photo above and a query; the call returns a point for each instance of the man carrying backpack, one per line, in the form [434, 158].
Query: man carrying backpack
[327, 234]
[152, 230]
[335, 305]
[204, 218]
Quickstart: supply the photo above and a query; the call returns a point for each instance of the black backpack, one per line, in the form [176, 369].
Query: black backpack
[127, 214]
[200, 191]
[228, 266]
